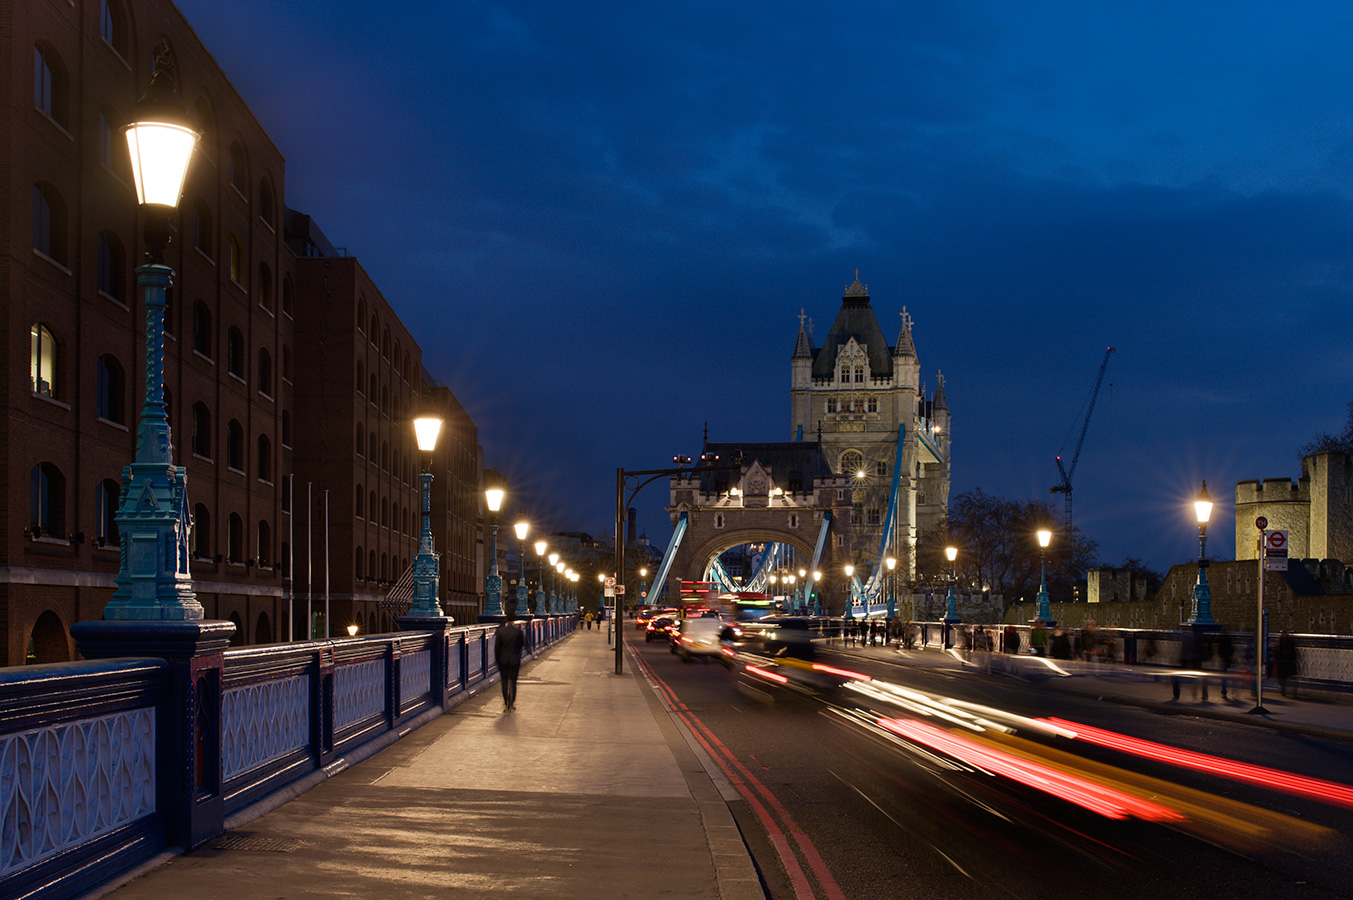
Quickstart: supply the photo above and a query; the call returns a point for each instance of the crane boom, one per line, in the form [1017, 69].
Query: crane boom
[1066, 473]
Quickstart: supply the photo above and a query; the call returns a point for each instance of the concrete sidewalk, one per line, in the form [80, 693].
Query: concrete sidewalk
[1323, 714]
[586, 790]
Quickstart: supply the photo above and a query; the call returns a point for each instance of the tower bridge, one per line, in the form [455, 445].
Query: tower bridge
[866, 470]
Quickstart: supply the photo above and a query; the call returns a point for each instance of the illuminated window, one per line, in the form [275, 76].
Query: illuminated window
[42, 362]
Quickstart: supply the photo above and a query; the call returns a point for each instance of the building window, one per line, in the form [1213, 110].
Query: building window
[43, 360]
[113, 26]
[361, 377]
[49, 85]
[718, 520]
[286, 296]
[111, 389]
[106, 495]
[357, 562]
[859, 374]
[385, 344]
[371, 505]
[235, 538]
[236, 260]
[856, 513]
[793, 520]
[202, 228]
[264, 460]
[371, 565]
[201, 430]
[202, 329]
[264, 544]
[831, 404]
[238, 178]
[265, 286]
[49, 223]
[873, 404]
[235, 352]
[235, 445]
[47, 500]
[385, 512]
[286, 428]
[357, 500]
[264, 372]
[286, 501]
[266, 208]
[371, 388]
[112, 267]
[385, 456]
[361, 315]
[286, 362]
[200, 532]
[872, 516]
[361, 439]
[371, 447]
[852, 463]
[845, 374]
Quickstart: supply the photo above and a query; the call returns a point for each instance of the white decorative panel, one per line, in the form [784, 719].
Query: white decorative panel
[359, 692]
[262, 722]
[475, 657]
[1325, 663]
[415, 675]
[68, 784]
[453, 663]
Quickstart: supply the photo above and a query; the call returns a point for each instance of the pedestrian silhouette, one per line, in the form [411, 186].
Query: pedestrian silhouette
[508, 643]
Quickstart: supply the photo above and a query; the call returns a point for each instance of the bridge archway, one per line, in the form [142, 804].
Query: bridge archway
[703, 555]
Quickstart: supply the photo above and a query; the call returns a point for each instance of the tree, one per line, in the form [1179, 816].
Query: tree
[998, 547]
[1332, 443]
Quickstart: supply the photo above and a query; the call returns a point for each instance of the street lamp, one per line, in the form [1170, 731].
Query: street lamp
[573, 600]
[555, 568]
[426, 428]
[817, 578]
[950, 602]
[850, 598]
[541, 609]
[1202, 596]
[643, 586]
[1044, 616]
[153, 580]
[522, 527]
[493, 584]
[352, 630]
[892, 600]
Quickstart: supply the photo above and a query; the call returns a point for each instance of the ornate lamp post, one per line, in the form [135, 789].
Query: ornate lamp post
[643, 586]
[153, 581]
[493, 584]
[541, 608]
[790, 592]
[950, 602]
[817, 579]
[522, 527]
[892, 598]
[426, 428]
[1044, 615]
[573, 598]
[554, 584]
[850, 595]
[1202, 596]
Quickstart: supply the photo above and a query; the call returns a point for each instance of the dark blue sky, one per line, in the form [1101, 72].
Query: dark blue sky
[600, 221]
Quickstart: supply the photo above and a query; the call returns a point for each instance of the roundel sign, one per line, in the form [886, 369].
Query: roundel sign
[1261, 523]
[1275, 542]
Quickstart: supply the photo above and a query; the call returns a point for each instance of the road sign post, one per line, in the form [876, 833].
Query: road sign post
[1272, 556]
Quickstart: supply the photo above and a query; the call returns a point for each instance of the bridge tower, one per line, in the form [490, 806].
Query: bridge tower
[851, 395]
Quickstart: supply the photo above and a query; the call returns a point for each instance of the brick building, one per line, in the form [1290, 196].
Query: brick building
[235, 366]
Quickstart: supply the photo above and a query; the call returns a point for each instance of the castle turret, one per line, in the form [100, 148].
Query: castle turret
[800, 380]
[906, 367]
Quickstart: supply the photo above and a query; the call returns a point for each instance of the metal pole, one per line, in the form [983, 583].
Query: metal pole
[326, 564]
[1259, 631]
[291, 557]
[619, 558]
[309, 560]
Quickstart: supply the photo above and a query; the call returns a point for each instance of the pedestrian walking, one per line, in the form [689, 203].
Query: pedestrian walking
[508, 643]
[588, 619]
[1286, 662]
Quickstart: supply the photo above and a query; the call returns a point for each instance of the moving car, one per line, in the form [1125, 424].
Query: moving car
[697, 637]
[658, 628]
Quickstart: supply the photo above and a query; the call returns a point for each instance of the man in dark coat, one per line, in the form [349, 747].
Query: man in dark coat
[508, 644]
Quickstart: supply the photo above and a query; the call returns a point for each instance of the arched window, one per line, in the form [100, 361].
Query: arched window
[859, 374]
[49, 223]
[873, 404]
[385, 456]
[881, 468]
[371, 505]
[371, 565]
[357, 501]
[385, 400]
[831, 404]
[852, 463]
[200, 535]
[361, 315]
[235, 445]
[236, 259]
[371, 447]
[845, 374]
[113, 26]
[361, 377]
[371, 388]
[357, 561]
[51, 90]
[42, 366]
[372, 333]
[203, 235]
[385, 344]
[361, 439]
[264, 544]
[264, 372]
[112, 267]
[264, 461]
[235, 352]
[202, 329]
[111, 390]
[286, 295]
[239, 179]
[398, 353]
[201, 436]
[47, 500]
[286, 428]
[385, 513]
[106, 494]
[267, 210]
[235, 538]
[286, 494]
[265, 286]
[286, 363]
[385, 567]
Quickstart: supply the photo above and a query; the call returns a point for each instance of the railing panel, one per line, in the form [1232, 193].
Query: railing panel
[474, 648]
[415, 677]
[263, 722]
[359, 692]
[68, 784]
[453, 656]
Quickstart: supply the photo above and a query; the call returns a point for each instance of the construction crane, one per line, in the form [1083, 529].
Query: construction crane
[1067, 472]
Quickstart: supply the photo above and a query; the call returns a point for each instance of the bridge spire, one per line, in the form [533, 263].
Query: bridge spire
[803, 345]
[905, 345]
